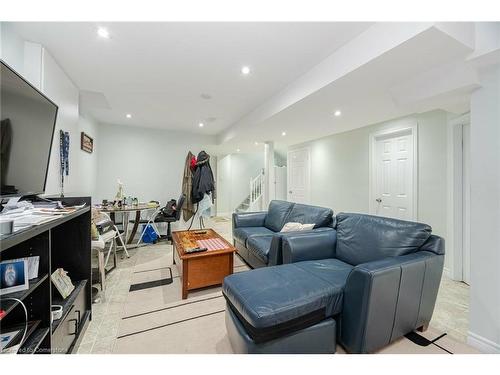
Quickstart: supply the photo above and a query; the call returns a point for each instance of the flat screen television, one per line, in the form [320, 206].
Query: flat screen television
[27, 120]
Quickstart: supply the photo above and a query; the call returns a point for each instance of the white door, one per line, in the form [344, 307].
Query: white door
[393, 174]
[280, 183]
[299, 175]
[466, 202]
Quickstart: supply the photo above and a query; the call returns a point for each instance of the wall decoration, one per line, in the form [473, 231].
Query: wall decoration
[64, 156]
[87, 143]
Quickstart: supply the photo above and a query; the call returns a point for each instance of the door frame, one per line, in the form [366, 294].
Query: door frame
[308, 177]
[455, 214]
[406, 126]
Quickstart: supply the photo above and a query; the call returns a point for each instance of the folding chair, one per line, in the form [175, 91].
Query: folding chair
[108, 233]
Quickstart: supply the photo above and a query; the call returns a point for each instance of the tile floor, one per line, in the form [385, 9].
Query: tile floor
[450, 314]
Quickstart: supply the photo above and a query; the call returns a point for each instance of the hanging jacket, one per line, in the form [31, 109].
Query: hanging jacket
[187, 184]
[203, 178]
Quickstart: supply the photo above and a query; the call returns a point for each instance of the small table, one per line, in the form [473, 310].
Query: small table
[207, 268]
[126, 210]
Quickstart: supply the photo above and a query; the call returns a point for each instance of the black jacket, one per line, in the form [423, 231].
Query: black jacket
[203, 178]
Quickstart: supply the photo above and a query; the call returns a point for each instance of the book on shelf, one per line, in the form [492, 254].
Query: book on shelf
[11, 336]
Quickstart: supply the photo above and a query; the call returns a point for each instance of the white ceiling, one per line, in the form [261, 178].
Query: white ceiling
[422, 67]
[364, 95]
[300, 74]
[158, 71]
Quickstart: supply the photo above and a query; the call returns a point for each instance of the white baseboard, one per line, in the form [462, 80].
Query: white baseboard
[225, 214]
[482, 344]
[447, 272]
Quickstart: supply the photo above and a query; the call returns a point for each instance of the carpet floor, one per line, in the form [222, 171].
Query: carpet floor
[155, 319]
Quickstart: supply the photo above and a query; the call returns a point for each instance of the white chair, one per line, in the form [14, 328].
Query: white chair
[109, 234]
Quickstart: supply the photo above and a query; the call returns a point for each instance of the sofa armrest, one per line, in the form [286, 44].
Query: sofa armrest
[386, 299]
[309, 245]
[249, 219]
[434, 244]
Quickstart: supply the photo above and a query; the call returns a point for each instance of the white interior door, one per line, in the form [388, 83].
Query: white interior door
[466, 202]
[393, 175]
[280, 183]
[299, 175]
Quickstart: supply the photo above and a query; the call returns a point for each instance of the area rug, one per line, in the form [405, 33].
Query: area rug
[157, 320]
[220, 219]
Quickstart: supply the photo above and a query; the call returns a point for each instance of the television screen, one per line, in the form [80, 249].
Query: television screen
[27, 120]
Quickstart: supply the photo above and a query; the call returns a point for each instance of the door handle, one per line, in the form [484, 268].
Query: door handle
[378, 200]
[289, 192]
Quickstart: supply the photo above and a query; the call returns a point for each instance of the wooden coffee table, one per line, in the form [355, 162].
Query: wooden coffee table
[208, 268]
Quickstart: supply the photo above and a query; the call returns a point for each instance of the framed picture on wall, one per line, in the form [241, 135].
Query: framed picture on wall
[87, 143]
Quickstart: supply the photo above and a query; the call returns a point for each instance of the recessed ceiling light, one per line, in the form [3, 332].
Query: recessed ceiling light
[201, 124]
[245, 70]
[103, 32]
[128, 115]
[337, 113]
[283, 133]
[237, 150]
[256, 143]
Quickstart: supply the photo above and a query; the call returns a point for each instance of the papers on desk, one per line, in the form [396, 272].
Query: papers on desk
[37, 216]
[61, 211]
[34, 219]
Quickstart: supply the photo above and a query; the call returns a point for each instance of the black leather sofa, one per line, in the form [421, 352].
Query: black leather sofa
[365, 284]
[257, 236]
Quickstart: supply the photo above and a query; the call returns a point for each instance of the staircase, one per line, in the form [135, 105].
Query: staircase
[244, 206]
[253, 201]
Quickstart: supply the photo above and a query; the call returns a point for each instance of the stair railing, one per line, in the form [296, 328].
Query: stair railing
[256, 190]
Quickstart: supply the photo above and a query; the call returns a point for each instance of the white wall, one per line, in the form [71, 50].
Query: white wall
[61, 90]
[233, 178]
[87, 163]
[11, 47]
[340, 169]
[432, 170]
[280, 158]
[224, 182]
[484, 318]
[39, 67]
[149, 162]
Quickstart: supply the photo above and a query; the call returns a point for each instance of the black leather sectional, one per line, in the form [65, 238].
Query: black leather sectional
[365, 283]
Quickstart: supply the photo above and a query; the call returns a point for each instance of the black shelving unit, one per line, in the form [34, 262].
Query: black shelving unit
[8, 305]
[61, 243]
[67, 303]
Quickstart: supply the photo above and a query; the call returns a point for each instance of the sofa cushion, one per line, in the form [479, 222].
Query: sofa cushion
[274, 301]
[241, 234]
[296, 227]
[366, 238]
[259, 246]
[306, 214]
[276, 214]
